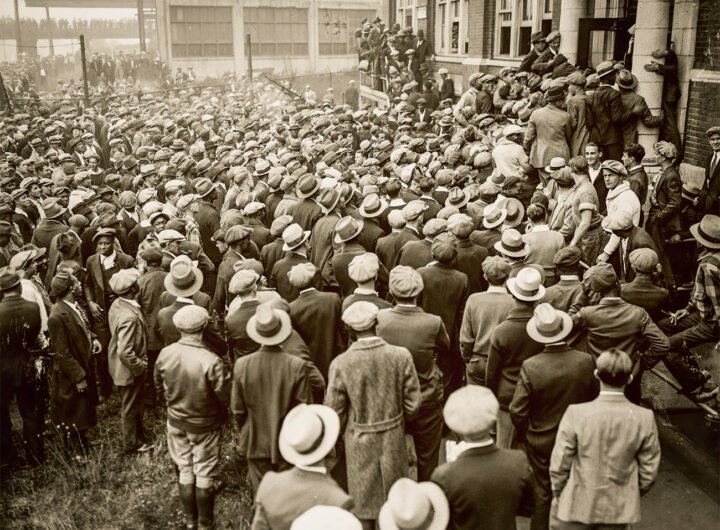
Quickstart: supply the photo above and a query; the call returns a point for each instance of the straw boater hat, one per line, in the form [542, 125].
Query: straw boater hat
[308, 434]
[527, 285]
[414, 505]
[269, 326]
[347, 228]
[707, 231]
[184, 279]
[493, 216]
[549, 325]
[294, 236]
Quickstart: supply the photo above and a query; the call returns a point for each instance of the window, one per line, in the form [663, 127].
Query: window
[201, 31]
[451, 36]
[336, 30]
[406, 13]
[277, 32]
[517, 20]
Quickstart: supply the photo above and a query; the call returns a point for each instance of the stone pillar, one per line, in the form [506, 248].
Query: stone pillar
[684, 33]
[572, 11]
[651, 28]
[238, 32]
[313, 37]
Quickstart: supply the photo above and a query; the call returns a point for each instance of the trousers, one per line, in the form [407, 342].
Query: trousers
[131, 414]
[426, 429]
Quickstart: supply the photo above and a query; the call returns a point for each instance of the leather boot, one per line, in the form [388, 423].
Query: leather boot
[187, 499]
[205, 499]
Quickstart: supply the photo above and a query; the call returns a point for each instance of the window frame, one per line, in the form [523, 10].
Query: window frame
[513, 15]
[280, 30]
[444, 31]
[197, 22]
[351, 19]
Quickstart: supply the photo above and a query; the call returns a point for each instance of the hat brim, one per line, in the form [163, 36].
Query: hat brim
[383, 207]
[281, 336]
[310, 193]
[525, 298]
[459, 205]
[306, 235]
[500, 220]
[550, 169]
[563, 332]
[331, 431]
[441, 509]
[511, 253]
[337, 239]
[171, 288]
[695, 231]
[332, 206]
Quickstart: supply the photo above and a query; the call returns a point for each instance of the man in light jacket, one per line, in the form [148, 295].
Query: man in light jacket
[606, 454]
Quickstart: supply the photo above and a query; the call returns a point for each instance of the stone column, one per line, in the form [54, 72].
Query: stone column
[651, 28]
[684, 34]
[572, 11]
[238, 32]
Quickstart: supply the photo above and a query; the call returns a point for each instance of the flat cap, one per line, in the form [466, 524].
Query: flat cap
[360, 316]
[496, 269]
[443, 248]
[644, 260]
[413, 210]
[567, 258]
[405, 282]
[237, 233]
[600, 277]
[434, 227]
[471, 410]
[123, 280]
[242, 281]
[302, 275]
[191, 318]
[364, 267]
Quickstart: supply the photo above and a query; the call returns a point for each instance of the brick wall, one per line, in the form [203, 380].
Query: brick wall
[703, 112]
[707, 43]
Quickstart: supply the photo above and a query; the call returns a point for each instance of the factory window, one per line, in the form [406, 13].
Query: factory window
[336, 30]
[201, 31]
[277, 32]
[517, 20]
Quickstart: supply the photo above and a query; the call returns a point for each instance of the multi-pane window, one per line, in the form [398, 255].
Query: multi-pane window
[517, 20]
[406, 13]
[277, 32]
[201, 31]
[451, 36]
[336, 30]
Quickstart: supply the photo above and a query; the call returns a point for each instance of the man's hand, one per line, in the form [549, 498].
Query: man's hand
[603, 257]
[82, 386]
[659, 53]
[678, 316]
[96, 346]
[652, 67]
[96, 311]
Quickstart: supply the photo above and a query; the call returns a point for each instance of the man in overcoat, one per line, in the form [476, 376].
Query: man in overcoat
[374, 389]
[425, 337]
[549, 381]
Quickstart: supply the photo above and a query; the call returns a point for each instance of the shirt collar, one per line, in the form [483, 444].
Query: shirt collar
[308, 290]
[184, 300]
[363, 290]
[313, 469]
[569, 277]
[611, 393]
[131, 302]
[497, 289]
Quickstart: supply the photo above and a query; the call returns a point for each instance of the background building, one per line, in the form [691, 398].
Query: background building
[289, 37]
[486, 35]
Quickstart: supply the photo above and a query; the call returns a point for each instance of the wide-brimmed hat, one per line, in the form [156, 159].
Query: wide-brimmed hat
[328, 200]
[457, 198]
[556, 163]
[307, 186]
[269, 326]
[52, 208]
[549, 325]
[308, 434]
[493, 216]
[9, 278]
[294, 236]
[372, 206]
[511, 244]
[347, 228]
[527, 285]
[707, 231]
[413, 504]
[626, 80]
[184, 279]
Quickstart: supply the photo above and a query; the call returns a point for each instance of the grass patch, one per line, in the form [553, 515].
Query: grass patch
[111, 491]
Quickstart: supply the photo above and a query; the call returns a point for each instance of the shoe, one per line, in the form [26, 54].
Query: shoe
[205, 498]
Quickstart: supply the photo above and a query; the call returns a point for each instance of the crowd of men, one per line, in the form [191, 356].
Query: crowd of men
[352, 287]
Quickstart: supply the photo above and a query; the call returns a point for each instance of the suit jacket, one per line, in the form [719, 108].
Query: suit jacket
[548, 135]
[444, 293]
[279, 276]
[710, 193]
[341, 262]
[271, 254]
[208, 220]
[605, 116]
[19, 332]
[305, 212]
[266, 385]
[386, 249]
[424, 335]
[94, 285]
[469, 260]
[486, 487]
[528, 61]
[167, 332]
[127, 355]
[642, 292]
[415, 254]
[510, 345]
[283, 497]
[638, 180]
[316, 317]
[486, 239]
[562, 295]
[370, 234]
[447, 89]
[45, 231]
[602, 482]
[152, 286]
[71, 341]
[666, 198]
[638, 238]
[549, 382]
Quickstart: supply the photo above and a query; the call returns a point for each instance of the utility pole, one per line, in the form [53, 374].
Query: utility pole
[18, 31]
[248, 47]
[50, 36]
[141, 24]
[84, 71]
